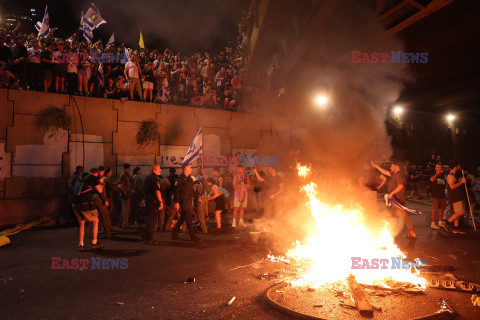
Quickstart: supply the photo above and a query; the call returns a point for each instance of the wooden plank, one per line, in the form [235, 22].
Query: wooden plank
[360, 297]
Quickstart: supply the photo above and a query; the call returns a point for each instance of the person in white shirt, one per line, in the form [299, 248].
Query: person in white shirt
[132, 73]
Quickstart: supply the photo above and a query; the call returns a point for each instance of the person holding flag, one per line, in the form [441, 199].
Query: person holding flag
[184, 190]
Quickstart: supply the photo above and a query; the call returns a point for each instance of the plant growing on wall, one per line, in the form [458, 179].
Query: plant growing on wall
[148, 133]
[51, 119]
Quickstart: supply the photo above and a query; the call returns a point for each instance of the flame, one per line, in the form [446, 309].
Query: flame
[339, 233]
[303, 171]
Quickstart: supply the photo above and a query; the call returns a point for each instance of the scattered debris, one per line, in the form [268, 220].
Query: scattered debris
[444, 306]
[191, 279]
[376, 307]
[269, 276]
[230, 302]
[346, 305]
[278, 259]
[359, 297]
[247, 265]
[476, 300]
[21, 291]
[120, 303]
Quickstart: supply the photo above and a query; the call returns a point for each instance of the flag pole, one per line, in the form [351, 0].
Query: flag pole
[468, 199]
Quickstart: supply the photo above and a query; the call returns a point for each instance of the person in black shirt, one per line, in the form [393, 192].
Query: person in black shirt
[19, 61]
[84, 206]
[455, 190]
[275, 188]
[47, 66]
[184, 194]
[396, 189]
[154, 202]
[415, 182]
[5, 52]
[169, 203]
[438, 182]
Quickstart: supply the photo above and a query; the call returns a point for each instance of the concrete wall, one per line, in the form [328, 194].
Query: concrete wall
[34, 168]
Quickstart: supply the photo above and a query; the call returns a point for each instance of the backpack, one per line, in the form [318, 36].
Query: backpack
[79, 183]
[224, 192]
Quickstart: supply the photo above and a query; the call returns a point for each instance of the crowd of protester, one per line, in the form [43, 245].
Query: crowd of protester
[72, 66]
[132, 200]
[453, 190]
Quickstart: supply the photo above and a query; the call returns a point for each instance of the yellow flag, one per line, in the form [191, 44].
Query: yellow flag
[140, 42]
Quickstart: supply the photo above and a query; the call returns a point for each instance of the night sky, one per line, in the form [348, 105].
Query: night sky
[187, 25]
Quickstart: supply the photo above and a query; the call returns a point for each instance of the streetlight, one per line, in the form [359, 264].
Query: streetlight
[321, 100]
[398, 110]
[450, 117]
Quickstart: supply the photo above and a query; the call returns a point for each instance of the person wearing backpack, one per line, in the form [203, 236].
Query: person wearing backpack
[220, 196]
[86, 186]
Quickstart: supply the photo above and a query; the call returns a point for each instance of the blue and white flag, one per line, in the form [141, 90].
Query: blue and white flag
[38, 27]
[45, 25]
[396, 203]
[93, 18]
[111, 41]
[126, 55]
[87, 31]
[195, 148]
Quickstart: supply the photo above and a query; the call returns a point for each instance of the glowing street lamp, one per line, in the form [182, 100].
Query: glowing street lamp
[450, 117]
[398, 110]
[321, 100]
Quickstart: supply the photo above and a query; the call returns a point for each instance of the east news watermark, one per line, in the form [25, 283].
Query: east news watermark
[94, 263]
[392, 263]
[392, 57]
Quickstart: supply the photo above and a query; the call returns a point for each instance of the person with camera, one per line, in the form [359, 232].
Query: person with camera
[438, 184]
[154, 202]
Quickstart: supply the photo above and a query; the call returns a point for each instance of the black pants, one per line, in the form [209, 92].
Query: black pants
[185, 216]
[152, 220]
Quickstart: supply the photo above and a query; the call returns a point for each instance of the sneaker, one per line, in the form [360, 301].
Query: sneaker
[440, 223]
[434, 226]
[241, 223]
[97, 245]
[447, 225]
[81, 248]
[175, 236]
[457, 230]
[234, 224]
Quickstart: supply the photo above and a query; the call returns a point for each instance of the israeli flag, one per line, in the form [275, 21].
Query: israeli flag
[45, 25]
[87, 31]
[126, 54]
[111, 41]
[93, 18]
[195, 148]
[38, 26]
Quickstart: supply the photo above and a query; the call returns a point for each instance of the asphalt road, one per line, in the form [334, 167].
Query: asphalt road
[155, 286]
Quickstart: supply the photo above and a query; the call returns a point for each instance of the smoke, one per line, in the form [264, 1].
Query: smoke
[350, 131]
[184, 25]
